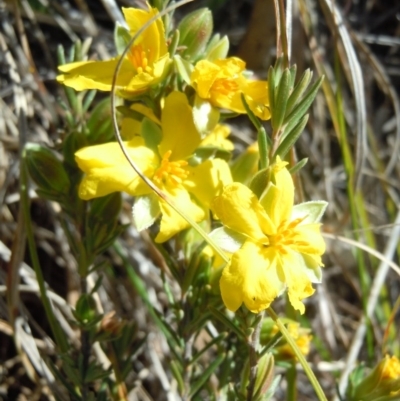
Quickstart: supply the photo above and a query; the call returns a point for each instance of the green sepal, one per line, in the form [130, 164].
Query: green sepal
[311, 212]
[122, 37]
[260, 182]
[151, 133]
[205, 116]
[227, 239]
[204, 153]
[243, 167]
[184, 68]
[217, 48]
[145, 211]
[174, 42]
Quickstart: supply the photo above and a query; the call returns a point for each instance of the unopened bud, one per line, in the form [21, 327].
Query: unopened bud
[382, 383]
[111, 324]
[46, 169]
[265, 375]
[195, 31]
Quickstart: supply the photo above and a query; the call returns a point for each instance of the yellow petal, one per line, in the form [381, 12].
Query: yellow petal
[238, 208]
[208, 179]
[203, 77]
[298, 283]
[256, 93]
[308, 239]
[171, 221]
[95, 74]
[153, 37]
[279, 198]
[108, 171]
[217, 138]
[179, 132]
[251, 278]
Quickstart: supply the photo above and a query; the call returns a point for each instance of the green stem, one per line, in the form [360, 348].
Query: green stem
[254, 343]
[59, 335]
[307, 369]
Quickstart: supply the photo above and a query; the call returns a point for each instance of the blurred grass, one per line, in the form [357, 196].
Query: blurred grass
[351, 141]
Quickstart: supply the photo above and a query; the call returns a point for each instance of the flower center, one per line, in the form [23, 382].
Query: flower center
[225, 86]
[140, 59]
[170, 173]
[286, 237]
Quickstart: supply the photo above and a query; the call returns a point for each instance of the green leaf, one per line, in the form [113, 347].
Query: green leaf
[145, 211]
[151, 133]
[282, 96]
[298, 91]
[230, 326]
[227, 239]
[291, 138]
[205, 116]
[299, 111]
[195, 387]
[298, 166]
[311, 212]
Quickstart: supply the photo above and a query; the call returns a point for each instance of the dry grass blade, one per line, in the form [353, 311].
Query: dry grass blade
[357, 81]
[378, 282]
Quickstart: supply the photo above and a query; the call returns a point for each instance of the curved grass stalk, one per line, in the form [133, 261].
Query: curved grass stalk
[170, 202]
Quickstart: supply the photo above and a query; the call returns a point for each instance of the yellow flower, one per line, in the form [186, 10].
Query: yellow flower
[191, 187]
[222, 82]
[142, 67]
[275, 245]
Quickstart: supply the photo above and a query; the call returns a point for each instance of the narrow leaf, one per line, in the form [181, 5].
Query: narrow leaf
[291, 138]
[282, 97]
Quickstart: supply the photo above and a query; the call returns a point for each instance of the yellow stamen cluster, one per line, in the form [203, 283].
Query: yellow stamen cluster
[170, 173]
[225, 86]
[139, 59]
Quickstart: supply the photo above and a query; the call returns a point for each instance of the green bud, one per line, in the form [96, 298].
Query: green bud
[85, 310]
[217, 48]
[195, 31]
[382, 383]
[265, 375]
[46, 169]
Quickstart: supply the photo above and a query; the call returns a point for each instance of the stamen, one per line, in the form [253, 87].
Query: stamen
[170, 173]
[139, 59]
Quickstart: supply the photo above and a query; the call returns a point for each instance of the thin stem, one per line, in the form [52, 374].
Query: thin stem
[59, 335]
[85, 348]
[308, 371]
[254, 343]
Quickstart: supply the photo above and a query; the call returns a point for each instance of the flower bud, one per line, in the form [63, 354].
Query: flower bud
[46, 169]
[195, 31]
[382, 382]
[265, 375]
